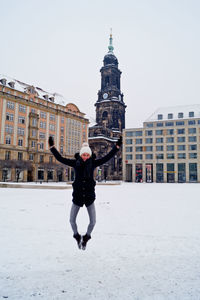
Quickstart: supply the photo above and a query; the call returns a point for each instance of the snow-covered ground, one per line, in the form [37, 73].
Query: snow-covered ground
[146, 244]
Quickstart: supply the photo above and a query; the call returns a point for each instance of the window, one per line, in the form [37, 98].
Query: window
[10, 105]
[41, 158]
[159, 148]
[181, 131]
[191, 122]
[43, 125]
[31, 157]
[62, 129]
[159, 140]
[8, 140]
[20, 155]
[198, 121]
[129, 133]
[170, 131]
[22, 108]
[149, 125]
[180, 115]
[180, 123]
[129, 141]
[170, 155]
[192, 155]
[21, 120]
[181, 147]
[9, 129]
[33, 144]
[129, 149]
[33, 132]
[34, 122]
[52, 127]
[50, 159]
[61, 149]
[139, 156]
[7, 155]
[160, 117]
[42, 146]
[170, 116]
[159, 156]
[43, 115]
[138, 141]
[62, 139]
[149, 148]
[159, 124]
[20, 142]
[52, 117]
[9, 117]
[180, 139]
[138, 149]
[168, 124]
[181, 156]
[191, 130]
[20, 131]
[149, 140]
[129, 156]
[148, 132]
[42, 135]
[192, 139]
[149, 156]
[191, 114]
[159, 132]
[63, 120]
[138, 133]
[170, 140]
[170, 147]
[192, 147]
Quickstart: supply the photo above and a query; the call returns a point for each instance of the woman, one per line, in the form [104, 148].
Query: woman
[84, 165]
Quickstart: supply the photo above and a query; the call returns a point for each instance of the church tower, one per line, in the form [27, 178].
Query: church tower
[110, 116]
[110, 107]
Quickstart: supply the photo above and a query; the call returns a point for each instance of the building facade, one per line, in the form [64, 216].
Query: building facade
[166, 148]
[110, 116]
[29, 115]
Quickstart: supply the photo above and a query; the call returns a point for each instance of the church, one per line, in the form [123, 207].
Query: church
[110, 117]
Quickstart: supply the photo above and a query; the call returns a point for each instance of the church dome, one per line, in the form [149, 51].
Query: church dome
[110, 59]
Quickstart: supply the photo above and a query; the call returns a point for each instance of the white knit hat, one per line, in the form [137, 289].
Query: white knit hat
[85, 149]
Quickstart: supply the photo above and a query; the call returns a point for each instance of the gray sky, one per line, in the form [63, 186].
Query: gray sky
[59, 46]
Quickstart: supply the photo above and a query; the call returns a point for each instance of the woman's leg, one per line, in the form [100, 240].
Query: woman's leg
[92, 216]
[73, 215]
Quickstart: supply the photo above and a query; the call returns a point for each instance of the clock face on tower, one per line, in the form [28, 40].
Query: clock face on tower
[105, 96]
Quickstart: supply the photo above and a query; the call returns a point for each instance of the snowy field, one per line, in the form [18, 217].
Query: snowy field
[146, 244]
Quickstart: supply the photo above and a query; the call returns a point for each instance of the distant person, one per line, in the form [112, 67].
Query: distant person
[84, 165]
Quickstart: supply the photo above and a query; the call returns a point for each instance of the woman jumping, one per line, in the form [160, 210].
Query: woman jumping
[84, 165]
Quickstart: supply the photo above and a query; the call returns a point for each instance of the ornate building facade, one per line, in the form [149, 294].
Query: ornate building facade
[29, 115]
[110, 116]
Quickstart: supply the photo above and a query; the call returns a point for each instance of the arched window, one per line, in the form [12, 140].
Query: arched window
[107, 80]
[105, 115]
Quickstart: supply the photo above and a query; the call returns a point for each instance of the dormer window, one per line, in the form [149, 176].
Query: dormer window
[180, 115]
[45, 97]
[170, 116]
[160, 117]
[191, 114]
[11, 84]
[3, 81]
[52, 99]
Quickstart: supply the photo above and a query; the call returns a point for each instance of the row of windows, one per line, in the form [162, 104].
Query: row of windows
[170, 131]
[180, 115]
[177, 123]
[161, 156]
[180, 139]
[161, 148]
[8, 141]
[11, 105]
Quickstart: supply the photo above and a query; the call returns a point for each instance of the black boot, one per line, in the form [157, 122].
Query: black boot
[77, 237]
[85, 239]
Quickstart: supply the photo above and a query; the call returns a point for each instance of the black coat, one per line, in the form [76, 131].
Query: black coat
[84, 183]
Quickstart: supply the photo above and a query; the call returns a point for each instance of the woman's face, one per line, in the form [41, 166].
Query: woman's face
[85, 156]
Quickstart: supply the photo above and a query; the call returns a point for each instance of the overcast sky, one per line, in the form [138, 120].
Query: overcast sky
[60, 45]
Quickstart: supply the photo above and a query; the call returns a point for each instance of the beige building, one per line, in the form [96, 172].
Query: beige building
[166, 148]
[29, 115]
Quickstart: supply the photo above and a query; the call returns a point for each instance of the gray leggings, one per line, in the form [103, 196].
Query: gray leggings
[92, 216]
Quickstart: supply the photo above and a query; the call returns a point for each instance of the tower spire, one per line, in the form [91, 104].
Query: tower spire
[110, 47]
